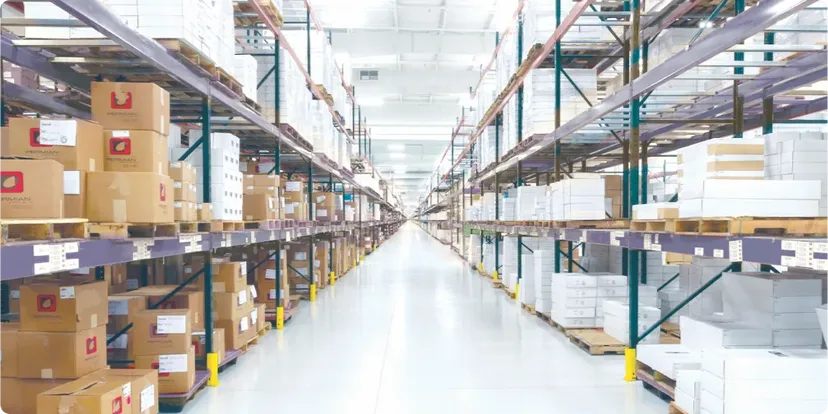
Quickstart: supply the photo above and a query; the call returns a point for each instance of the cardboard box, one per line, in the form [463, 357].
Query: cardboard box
[31, 189]
[132, 105]
[129, 197]
[9, 349]
[184, 191]
[4, 141]
[88, 395]
[237, 332]
[63, 306]
[76, 144]
[325, 206]
[199, 342]
[184, 211]
[260, 317]
[19, 396]
[270, 191]
[259, 207]
[182, 171]
[161, 331]
[176, 372]
[64, 355]
[230, 277]
[135, 151]
[189, 298]
[232, 305]
[74, 194]
[143, 390]
[204, 211]
[261, 180]
[122, 310]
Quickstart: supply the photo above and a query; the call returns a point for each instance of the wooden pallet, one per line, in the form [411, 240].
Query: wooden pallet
[596, 342]
[508, 292]
[218, 226]
[175, 403]
[246, 347]
[653, 225]
[187, 227]
[671, 328]
[189, 54]
[43, 229]
[544, 317]
[528, 308]
[675, 409]
[497, 284]
[817, 226]
[295, 135]
[593, 224]
[656, 382]
[242, 7]
[230, 82]
[133, 230]
[263, 225]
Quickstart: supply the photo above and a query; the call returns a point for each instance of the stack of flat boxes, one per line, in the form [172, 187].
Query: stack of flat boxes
[184, 191]
[527, 202]
[508, 263]
[327, 207]
[226, 182]
[574, 297]
[544, 268]
[539, 98]
[791, 155]
[763, 380]
[613, 287]
[725, 178]
[617, 321]
[579, 198]
[61, 337]
[245, 70]
[489, 257]
[526, 294]
[235, 310]
[613, 195]
[261, 197]
[294, 99]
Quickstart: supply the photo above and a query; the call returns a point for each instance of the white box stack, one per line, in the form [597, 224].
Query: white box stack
[792, 155]
[544, 268]
[526, 294]
[539, 98]
[527, 202]
[688, 390]
[669, 359]
[509, 263]
[574, 296]
[294, 98]
[245, 71]
[736, 381]
[617, 321]
[579, 198]
[226, 181]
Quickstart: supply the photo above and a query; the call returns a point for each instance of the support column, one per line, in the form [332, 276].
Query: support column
[312, 285]
[557, 149]
[635, 146]
[738, 100]
[212, 356]
[767, 104]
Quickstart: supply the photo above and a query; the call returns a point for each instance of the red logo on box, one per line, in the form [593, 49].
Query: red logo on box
[120, 146]
[46, 303]
[34, 138]
[160, 374]
[120, 101]
[154, 332]
[11, 181]
[91, 345]
[117, 405]
[162, 192]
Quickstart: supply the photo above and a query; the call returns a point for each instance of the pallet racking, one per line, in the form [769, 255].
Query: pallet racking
[201, 99]
[638, 121]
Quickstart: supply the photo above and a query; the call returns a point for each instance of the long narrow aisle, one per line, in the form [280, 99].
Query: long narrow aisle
[414, 330]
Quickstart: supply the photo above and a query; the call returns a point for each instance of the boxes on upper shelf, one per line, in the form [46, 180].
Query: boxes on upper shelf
[135, 151]
[74, 194]
[31, 189]
[131, 105]
[129, 197]
[260, 207]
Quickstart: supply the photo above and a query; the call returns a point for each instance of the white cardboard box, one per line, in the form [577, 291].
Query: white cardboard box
[698, 334]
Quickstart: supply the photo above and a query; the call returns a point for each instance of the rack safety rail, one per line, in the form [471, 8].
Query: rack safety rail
[198, 100]
[639, 120]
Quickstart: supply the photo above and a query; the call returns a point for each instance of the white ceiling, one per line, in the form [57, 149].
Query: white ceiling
[428, 53]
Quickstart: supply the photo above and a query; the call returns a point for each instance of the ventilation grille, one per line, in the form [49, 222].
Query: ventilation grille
[368, 75]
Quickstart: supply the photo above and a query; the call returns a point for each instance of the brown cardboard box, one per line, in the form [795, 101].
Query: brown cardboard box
[87, 395]
[31, 189]
[134, 106]
[237, 332]
[122, 308]
[62, 306]
[199, 341]
[176, 372]
[229, 277]
[232, 305]
[129, 197]
[260, 317]
[64, 355]
[204, 211]
[259, 207]
[182, 171]
[184, 211]
[74, 194]
[19, 396]
[325, 206]
[86, 155]
[117, 288]
[9, 349]
[135, 151]
[184, 191]
[188, 298]
[143, 392]
[4, 141]
[270, 191]
[116, 273]
[261, 180]
[161, 331]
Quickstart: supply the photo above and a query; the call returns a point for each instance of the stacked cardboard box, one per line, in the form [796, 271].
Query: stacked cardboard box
[122, 309]
[61, 337]
[226, 182]
[327, 207]
[163, 341]
[295, 200]
[791, 155]
[261, 197]
[298, 256]
[233, 303]
[184, 191]
[77, 145]
[321, 262]
[574, 297]
[266, 280]
[32, 189]
[617, 321]
[579, 198]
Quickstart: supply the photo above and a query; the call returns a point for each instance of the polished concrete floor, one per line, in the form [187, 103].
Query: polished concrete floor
[414, 330]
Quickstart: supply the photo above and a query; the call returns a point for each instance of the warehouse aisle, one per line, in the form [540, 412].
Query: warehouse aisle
[413, 330]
